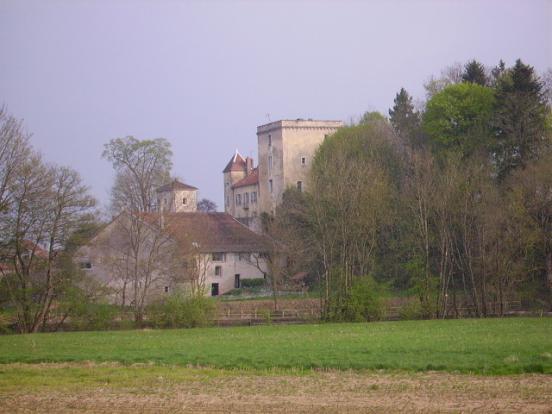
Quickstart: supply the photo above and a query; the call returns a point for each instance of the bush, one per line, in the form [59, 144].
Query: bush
[411, 310]
[7, 321]
[363, 303]
[252, 283]
[94, 316]
[179, 311]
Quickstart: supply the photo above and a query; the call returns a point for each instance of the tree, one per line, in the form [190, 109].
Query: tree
[142, 247]
[405, 121]
[459, 117]
[371, 117]
[449, 76]
[531, 190]
[14, 150]
[141, 166]
[497, 72]
[474, 72]
[354, 179]
[206, 206]
[519, 118]
[46, 205]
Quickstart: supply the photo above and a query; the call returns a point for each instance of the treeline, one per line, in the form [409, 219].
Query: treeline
[451, 203]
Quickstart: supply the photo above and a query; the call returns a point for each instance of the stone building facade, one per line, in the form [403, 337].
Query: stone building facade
[286, 150]
[177, 197]
[220, 251]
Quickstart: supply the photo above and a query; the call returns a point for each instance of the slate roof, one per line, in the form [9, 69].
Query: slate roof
[251, 179]
[212, 232]
[175, 185]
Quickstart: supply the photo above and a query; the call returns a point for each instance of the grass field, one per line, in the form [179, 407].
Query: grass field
[498, 365]
[476, 346]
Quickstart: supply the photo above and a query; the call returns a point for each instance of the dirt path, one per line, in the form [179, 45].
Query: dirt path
[56, 388]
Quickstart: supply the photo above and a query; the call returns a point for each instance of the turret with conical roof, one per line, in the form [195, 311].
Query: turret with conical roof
[236, 169]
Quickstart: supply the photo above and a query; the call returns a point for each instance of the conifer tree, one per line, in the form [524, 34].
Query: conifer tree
[474, 72]
[519, 118]
[405, 119]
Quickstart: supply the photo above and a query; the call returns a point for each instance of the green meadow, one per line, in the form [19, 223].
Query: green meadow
[478, 346]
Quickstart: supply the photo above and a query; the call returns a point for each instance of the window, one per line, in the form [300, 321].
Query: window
[303, 160]
[217, 257]
[85, 265]
[185, 201]
[166, 289]
[238, 199]
[214, 289]
[244, 257]
[218, 271]
[246, 198]
[270, 164]
[269, 140]
[237, 284]
[254, 197]
[300, 185]
[270, 185]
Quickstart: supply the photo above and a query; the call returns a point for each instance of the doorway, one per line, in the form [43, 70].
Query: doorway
[214, 289]
[237, 281]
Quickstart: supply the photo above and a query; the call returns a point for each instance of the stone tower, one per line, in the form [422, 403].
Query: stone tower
[236, 170]
[177, 197]
[286, 150]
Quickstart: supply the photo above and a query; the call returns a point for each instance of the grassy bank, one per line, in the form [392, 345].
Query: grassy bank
[491, 346]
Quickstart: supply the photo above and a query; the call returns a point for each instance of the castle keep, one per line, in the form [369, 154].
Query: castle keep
[286, 149]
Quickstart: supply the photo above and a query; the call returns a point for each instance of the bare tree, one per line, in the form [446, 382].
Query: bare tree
[14, 150]
[207, 206]
[141, 166]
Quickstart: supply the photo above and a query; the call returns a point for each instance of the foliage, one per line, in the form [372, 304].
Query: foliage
[519, 118]
[43, 205]
[373, 117]
[207, 206]
[411, 310]
[459, 116]
[471, 346]
[253, 283]
[474, 72]
[365, 302]
[179, 311]
[405, 120]
[355, 182]
[141, 167]
[93, 316]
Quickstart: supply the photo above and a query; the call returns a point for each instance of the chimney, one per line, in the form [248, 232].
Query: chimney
[248, 165]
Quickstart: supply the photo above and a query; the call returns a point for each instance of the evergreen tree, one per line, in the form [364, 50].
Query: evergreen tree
[519, 118]
[497, 71]
[405, 120]
[474, 72]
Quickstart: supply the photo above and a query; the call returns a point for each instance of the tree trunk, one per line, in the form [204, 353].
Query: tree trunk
[548, 261]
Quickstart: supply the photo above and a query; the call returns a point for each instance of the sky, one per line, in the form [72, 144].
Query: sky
[205, 74]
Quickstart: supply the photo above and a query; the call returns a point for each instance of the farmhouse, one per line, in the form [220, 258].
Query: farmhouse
[175, 247]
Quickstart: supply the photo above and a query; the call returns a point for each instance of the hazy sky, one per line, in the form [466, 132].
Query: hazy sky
[204, 74]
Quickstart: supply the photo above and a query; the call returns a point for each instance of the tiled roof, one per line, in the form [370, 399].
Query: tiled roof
[175, 185]
[236, 163]
[212, 232]
[251, 179]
